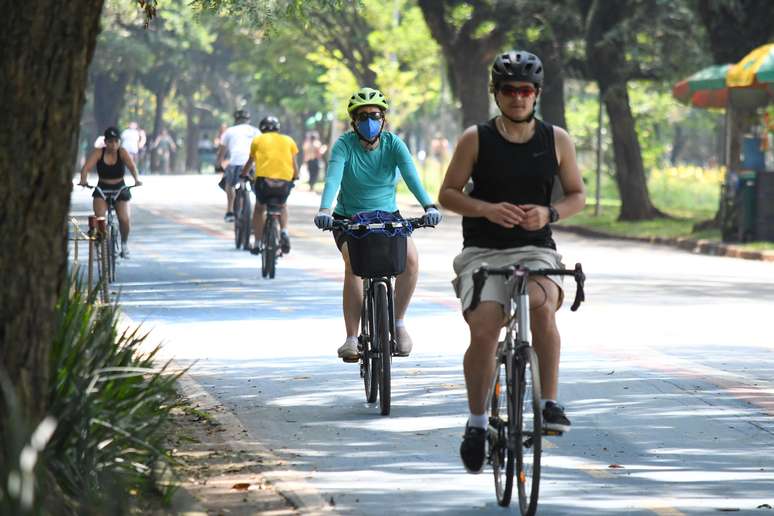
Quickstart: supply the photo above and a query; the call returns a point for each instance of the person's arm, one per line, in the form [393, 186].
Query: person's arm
[219, 159]
[574, 198]
[91, 162]
[335, 171]
[409, 174]
[458, 173]
[246, 168]
[295, 169]
[126, 158]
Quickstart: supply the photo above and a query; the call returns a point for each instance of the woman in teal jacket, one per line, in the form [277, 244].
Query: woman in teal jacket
[364, 169]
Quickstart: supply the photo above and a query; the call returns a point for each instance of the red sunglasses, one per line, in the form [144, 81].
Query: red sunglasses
[517, 91]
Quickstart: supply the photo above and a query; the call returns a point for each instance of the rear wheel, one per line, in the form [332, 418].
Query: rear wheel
[270, 247]
[499, 437]
[242, 219]
[382, 336]
[238, 219]
[528, 428]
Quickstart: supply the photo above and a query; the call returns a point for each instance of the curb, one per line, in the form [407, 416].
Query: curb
[288, 483]
[708, 247]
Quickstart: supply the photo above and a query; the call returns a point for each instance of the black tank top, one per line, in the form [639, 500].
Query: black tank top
[519, 173]
[114, 171]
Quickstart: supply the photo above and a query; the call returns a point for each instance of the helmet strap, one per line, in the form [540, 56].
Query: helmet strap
[527, 119]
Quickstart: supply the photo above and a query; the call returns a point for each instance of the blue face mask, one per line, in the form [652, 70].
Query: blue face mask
[369, 129]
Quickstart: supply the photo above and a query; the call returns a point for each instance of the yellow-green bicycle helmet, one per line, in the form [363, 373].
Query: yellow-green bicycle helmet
[366, 97]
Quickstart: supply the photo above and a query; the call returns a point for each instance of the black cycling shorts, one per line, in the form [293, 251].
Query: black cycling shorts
[126, 195]
[272, 191]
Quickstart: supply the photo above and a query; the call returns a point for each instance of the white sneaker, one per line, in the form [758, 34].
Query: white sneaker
[348, 351]
[404, 342]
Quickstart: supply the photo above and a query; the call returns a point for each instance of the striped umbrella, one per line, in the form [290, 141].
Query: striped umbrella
[704, 89]
[756, 68]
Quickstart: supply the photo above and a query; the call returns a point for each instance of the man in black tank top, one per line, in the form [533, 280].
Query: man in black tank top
[513, 160]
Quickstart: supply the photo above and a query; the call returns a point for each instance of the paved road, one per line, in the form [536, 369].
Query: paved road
[666, 370]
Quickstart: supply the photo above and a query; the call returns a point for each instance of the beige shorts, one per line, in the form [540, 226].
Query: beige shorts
[495, 289]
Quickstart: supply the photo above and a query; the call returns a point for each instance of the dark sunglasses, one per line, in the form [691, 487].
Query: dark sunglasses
[517, 91]
[112, 140]
[375, 115]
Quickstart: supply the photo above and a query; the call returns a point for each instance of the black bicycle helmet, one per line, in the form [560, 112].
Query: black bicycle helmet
[269, 124]
[241, 115]
[517, 65]
[111, 133]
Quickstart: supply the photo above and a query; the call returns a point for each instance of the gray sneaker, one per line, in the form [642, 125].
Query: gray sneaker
[348, 352]
[404, 342]
[124, 250]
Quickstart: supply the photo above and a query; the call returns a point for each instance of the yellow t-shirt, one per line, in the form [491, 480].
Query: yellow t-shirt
[273, 155]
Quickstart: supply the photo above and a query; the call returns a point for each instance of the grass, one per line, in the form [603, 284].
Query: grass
[689, 194]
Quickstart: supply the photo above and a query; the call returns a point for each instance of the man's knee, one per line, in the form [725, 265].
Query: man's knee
[485, 323]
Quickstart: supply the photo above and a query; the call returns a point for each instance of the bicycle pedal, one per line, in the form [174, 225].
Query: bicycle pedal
[351, 360]
[552, 433]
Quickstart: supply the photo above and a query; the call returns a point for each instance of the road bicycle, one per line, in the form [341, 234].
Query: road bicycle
[112, 231]
[243, 214]
[377, 252]
[514, 434]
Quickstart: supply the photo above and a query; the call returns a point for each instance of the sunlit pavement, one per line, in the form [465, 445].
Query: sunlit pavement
[666, 370]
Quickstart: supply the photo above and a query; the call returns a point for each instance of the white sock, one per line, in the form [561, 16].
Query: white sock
[478, 421]
[351, 340]
[544, 401]
[284, 232]
[400, 324]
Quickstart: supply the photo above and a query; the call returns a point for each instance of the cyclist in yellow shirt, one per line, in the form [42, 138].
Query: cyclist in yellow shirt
[275, 170]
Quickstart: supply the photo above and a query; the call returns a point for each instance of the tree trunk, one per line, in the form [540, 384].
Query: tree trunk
[629, 171]
[606, 58]
[191, 138]
[471, 78]
[109, 93]
[44, 63]
[158, 125]
[552, 96]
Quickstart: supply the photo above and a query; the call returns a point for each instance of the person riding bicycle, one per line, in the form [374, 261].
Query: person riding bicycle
[514, 160]
[236, 140]
[364, 162]
[274, 155]
[111, 162]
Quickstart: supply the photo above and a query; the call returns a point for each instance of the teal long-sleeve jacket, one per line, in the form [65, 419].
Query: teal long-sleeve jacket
[368, 178]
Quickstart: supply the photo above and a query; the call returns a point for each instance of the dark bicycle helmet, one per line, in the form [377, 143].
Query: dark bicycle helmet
[111, 133]
[269, 124]
[241, 115]
[517, 65]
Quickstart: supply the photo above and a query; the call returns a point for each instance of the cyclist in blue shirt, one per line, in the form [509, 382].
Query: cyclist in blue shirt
[365, 165]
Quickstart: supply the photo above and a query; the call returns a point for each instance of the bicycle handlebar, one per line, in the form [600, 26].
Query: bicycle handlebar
[480, 275]
[413, 223]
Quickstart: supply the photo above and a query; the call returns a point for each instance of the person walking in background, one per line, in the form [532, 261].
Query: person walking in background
[236, 142]
[164, 146]
[132, 140]
[313, 152]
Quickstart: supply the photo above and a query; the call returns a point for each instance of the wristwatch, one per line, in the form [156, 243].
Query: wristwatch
[553, 215]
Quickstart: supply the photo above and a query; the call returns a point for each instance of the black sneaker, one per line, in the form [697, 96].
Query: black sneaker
[285, 243]
[256, 249]
[229, 216]
[473, 449]
[554, 418]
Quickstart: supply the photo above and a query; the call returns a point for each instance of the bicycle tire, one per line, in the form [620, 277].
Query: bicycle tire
[500, 454]
[529, 429]
[382, 336]
[270, 245]
[368, 366]
[112, 252]
[247, 219]
[275, 247]
[238, 219]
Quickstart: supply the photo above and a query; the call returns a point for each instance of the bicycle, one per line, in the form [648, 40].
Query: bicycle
[377, 261]
[243, 214]
[271, 247]
[518, 431]
[112, 231]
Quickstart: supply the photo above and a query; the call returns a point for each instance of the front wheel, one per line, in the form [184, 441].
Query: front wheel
[528, 428]
[112, 251]
[382, 336]
[500, 451]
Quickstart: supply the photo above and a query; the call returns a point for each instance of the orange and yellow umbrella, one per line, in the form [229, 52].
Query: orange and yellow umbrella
[756, 68]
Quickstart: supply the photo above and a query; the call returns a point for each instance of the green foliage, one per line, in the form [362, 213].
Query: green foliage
[111, 403]
[108, 403]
